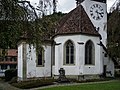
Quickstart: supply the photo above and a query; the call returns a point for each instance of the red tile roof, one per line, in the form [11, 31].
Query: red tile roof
[12, 52]
[76, 21]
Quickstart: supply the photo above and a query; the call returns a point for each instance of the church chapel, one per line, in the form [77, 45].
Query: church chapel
[78, 46]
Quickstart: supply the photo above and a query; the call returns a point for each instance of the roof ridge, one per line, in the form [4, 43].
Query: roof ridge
[76, 21]
[63, 20]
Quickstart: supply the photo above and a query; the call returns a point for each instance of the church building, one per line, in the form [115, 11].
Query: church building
[78, 46]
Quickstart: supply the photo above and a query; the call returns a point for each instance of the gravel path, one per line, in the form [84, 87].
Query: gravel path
[6, 86]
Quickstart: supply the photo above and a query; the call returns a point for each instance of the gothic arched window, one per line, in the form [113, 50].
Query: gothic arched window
[40, 57]
[69, 52]
[89, 53]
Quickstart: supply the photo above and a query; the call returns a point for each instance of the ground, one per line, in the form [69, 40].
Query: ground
[6, 86]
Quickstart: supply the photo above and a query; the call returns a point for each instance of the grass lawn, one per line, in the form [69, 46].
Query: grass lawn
[114, 85]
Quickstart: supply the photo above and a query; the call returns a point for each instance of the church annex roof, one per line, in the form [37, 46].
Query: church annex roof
[75, 22]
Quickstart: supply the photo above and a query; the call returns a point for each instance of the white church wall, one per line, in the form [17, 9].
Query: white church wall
[79, 68]
[69, 69]
[20, 62]
[109, 65]
[46, 70]
[92, 69]
[53, 70]
[31, 61]
[31, 69]
[110, 68]
[38, 71]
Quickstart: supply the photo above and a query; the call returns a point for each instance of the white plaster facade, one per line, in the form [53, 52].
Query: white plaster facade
[38, 71]
[27, 59]
[79, 68]
[108, 62]
[20, 62]
[31, 70]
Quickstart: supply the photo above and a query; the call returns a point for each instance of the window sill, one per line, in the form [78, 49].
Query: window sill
[89, 64]
[39, 65]
[69, 64]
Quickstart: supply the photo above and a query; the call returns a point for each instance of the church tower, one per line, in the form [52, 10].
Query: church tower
[97, 12]
[78, 2]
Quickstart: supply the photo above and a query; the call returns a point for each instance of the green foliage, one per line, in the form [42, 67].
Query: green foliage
[11, 10]
[117, 73]
[18, 18]
[33, 83]
[9, 34]
[90, 80]
[13, 20]
[13, 80]
[49, 23]
[9, 74]
[114, 34]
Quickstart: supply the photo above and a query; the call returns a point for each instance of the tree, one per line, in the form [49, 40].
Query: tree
[44, 7]
[114, 34]
[18, 18]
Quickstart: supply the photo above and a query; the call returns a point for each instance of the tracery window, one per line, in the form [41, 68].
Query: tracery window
[89, 53]
[40, 57]
[69, 52]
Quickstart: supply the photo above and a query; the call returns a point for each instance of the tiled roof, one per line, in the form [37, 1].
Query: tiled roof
[76, 21]
[12, 52]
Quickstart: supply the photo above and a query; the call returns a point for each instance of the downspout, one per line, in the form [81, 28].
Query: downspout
[52, 56]
[24, 62]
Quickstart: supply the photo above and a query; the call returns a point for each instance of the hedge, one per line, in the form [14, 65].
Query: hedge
[33, 83]
[9, 74]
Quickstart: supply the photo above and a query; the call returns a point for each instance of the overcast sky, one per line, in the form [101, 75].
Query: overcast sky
[67, 5]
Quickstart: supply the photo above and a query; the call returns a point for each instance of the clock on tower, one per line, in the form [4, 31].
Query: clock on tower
[97, 12]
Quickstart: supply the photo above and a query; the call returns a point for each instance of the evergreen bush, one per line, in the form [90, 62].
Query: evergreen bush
[33, 83]
[9, 74]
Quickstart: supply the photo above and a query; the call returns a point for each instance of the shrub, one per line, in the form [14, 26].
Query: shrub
[13, 80]
[9, 74]
[33, 83]
[117, 73]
